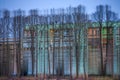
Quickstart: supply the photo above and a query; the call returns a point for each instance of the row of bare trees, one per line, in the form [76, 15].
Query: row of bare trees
[12, 28]
[10, 37]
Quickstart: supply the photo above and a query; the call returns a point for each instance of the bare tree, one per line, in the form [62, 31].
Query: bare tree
[98, 16]
[110, 19]
[33, 21]
[79, 19]
[7, 21]
[18, 23]
[103, 15]
[1, 53]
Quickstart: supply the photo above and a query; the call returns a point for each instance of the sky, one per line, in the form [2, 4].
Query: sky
[48, 4]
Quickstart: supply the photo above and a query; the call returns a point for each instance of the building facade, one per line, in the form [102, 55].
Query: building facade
[61, 44]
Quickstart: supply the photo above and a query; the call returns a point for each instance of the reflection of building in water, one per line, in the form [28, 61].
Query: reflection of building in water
[56, 50]
[116, 48]
[8, 57]
[94, 50]
[59, 44]
[62, 51]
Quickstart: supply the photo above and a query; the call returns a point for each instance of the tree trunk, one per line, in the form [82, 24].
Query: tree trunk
[101, 53]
